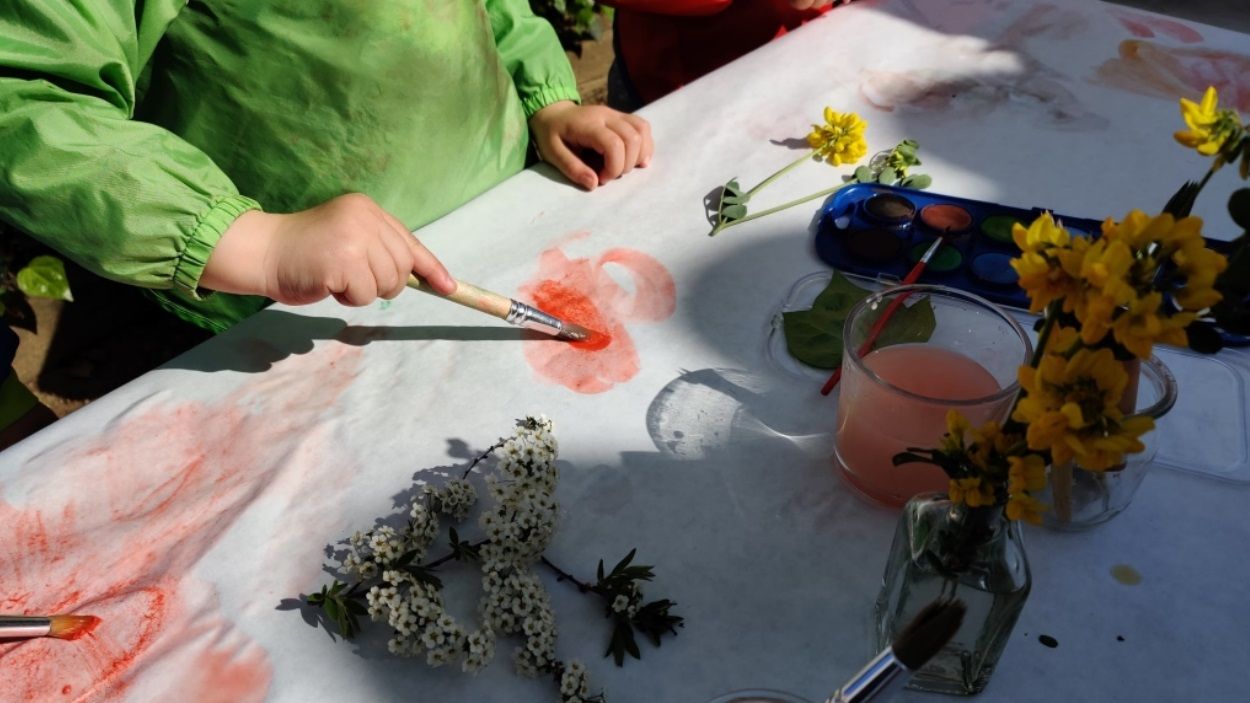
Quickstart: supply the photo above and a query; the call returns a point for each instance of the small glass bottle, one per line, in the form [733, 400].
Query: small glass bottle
[947, 550]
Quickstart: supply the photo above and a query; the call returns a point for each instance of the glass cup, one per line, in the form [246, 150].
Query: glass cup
[759, 695]
[897, 394]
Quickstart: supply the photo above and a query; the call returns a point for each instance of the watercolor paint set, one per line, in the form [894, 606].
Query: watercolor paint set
[881, 231]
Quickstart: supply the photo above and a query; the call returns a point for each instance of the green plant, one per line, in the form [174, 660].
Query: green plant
[26, 272]
[575, 21]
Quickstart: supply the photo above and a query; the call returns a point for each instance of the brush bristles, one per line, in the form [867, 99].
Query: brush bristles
[69, 627]
[928, 632]
[576, 333]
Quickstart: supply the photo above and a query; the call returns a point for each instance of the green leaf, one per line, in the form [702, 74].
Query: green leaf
[863, 174]
[814, 336]
[888, 177]
[918, 181]
[734, 212]
[44, 277]
[732, 188]
[910, 324]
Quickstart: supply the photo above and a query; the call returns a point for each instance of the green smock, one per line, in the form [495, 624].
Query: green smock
[134, 132]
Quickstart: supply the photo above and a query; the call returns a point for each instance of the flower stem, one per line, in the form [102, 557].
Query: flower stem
[446, 558]
[482, 458]
[779, 208]
[778, 174]
[563, 575]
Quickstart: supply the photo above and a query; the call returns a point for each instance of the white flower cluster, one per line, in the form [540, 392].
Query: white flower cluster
[574, 686]
[517, 530]
[628, 604]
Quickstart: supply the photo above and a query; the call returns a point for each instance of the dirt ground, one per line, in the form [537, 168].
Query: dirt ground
[112, 333]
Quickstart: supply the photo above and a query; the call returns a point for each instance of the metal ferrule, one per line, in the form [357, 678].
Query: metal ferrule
[523, 315]
[20, 626]
[883, 673]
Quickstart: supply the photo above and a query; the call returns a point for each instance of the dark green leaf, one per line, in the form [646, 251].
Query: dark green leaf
[839, 295]
[1204, 338]
[624, 562]
[910, 458]
[44, 277]
[888, 176]
[424, 575]
[814, 336]
[732, 187]
[909, 324]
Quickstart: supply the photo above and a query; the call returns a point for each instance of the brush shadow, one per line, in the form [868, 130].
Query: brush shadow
[287, 334]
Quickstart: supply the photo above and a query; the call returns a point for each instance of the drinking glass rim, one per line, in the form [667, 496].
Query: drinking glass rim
[947, 292]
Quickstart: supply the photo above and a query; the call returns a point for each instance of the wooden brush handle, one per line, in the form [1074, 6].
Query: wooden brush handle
[470, 296]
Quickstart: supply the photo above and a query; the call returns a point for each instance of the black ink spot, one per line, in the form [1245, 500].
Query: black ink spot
[1119, 638]
[1048, 641]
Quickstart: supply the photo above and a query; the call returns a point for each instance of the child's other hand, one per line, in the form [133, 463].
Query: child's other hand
[348, 247]
[810, 4]
[562, 129]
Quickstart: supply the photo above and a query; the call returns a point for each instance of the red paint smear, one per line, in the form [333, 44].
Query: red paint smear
[1143, 26]
[114, 524]
[584, 292]
[1149, 68]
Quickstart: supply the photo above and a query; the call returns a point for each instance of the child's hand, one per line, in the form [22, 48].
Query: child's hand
[809, 4]
[348, 247]
[623, 140]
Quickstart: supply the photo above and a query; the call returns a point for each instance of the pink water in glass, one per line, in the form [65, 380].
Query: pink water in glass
[875, 422]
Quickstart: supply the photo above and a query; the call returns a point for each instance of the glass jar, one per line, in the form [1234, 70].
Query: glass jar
[1079, 498]
[939, 349]
[945, 550]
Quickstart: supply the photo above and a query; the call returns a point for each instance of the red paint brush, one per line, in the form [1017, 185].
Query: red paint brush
[912, 276]
[61, 627]
[515, 312]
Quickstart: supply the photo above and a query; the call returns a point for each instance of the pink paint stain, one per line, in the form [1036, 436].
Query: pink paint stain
[582, 291]
[1148, 68]
[1145, 26]
[113, 525]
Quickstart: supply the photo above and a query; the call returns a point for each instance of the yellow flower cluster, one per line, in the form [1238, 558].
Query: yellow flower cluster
[840, 140]
[1115, 285]
[991, 468]
[1071, 405]
[1212, 131]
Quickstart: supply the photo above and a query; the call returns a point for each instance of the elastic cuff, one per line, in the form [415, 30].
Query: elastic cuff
[537, 98]
[203, 238]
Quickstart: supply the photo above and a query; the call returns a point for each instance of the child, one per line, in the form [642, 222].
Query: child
[142, 138]
[662, 45]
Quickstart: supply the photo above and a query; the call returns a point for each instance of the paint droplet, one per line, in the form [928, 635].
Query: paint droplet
[1119, 638]
[385, 304]
[1048, 641]
[678, 434]
[66, 690]
[1125, 574]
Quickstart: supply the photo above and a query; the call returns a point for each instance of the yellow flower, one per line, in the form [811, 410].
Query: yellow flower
[840, 140]
[1209, 127]
[1022, 506]
[971, 491]
[1040, 235]
[1137, 328]
[1025, 473]
[1201, 267]
[1107, 451]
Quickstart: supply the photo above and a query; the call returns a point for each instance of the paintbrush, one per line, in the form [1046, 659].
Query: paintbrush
[912, 276]
[61, 627]
[923, 637]
[512, 311]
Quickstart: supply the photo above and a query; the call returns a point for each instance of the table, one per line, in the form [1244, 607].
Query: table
[185, 507]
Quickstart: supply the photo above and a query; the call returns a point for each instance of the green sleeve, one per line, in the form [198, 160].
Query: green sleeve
[125, 199]
[532, 54]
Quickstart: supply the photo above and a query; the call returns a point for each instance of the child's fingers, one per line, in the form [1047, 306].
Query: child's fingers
[556, 153]
[429, 268]
[644, 131]
[361, 287]
[631, 139]
[382, 264]
[402, 259]
[608, 143]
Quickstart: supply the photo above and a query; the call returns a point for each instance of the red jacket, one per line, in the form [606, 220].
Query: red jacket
[666, 44]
